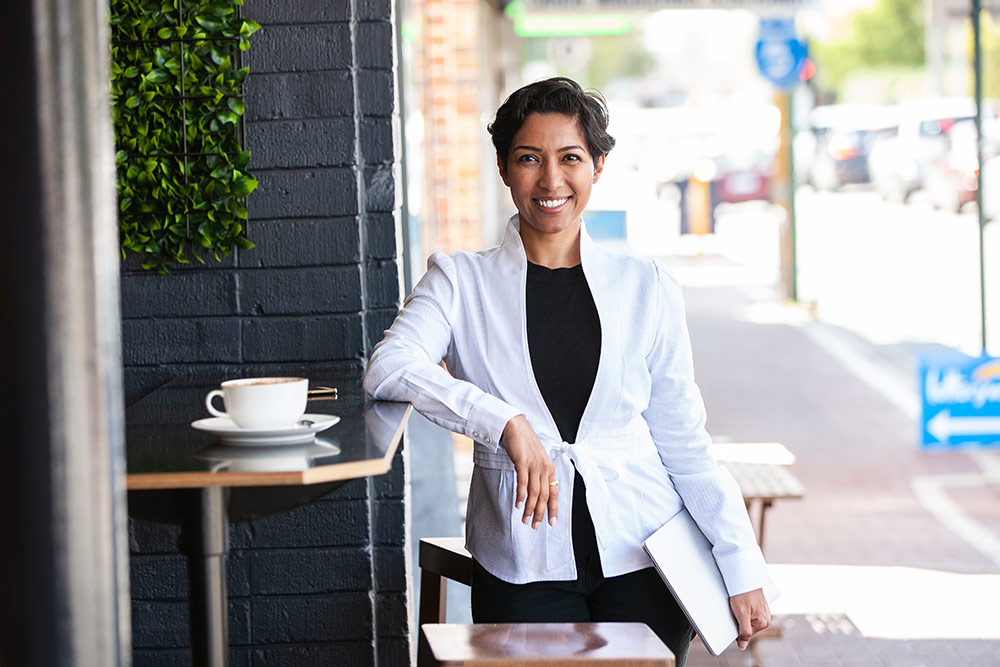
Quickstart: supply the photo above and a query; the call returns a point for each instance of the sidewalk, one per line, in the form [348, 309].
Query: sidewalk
[871, 563]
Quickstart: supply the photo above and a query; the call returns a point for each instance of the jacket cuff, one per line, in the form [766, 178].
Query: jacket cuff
[746, 571]
[487, 420]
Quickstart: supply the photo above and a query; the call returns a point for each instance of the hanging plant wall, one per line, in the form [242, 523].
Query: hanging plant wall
[177, 108]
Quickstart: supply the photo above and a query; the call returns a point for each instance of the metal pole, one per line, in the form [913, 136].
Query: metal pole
[206, 537]
[790, 111]
[978, 66]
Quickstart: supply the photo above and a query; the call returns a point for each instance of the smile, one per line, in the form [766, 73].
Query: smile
[552, 203]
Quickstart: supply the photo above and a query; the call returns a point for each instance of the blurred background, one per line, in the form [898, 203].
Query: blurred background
[829, 237]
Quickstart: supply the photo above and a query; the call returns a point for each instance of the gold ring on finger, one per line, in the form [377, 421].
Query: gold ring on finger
[555, 483]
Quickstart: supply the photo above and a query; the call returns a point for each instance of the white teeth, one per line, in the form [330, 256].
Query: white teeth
[552, 203]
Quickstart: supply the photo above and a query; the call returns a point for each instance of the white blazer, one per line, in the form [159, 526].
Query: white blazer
[641, 447]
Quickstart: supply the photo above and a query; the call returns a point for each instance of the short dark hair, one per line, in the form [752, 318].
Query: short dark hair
[555, 95]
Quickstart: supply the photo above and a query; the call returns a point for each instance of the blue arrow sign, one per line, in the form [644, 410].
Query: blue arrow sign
[780, 53]
[961, 400]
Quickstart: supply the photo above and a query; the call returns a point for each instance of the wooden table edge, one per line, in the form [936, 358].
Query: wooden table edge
[332, 472]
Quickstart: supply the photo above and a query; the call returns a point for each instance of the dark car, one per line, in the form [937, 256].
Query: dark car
[844, 135]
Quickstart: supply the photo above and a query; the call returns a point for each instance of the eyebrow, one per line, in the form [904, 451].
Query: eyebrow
[574, 147]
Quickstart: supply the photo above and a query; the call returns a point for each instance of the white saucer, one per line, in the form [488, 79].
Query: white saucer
[226, 431]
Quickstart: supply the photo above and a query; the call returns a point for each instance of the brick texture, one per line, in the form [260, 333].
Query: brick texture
[325, 583]
[446, 69]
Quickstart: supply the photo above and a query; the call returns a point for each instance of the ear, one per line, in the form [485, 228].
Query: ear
[598, 167]
[503, 170]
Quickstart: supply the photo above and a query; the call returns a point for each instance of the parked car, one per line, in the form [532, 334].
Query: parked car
[899, 164]
[843, 136]
[951, 180]
[991, 188]
[742, 177]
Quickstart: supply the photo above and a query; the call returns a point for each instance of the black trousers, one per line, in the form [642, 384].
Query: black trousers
[634, 597]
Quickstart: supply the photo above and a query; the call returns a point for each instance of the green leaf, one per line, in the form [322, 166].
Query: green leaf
[132, 102]
[236, 105]
[227, 117]
[219, 56]
[244, 186]
[249, 27]
[158, 75]
[164, 33]
[243, 243]
[242, 160]
[208, 23]
[222, 172]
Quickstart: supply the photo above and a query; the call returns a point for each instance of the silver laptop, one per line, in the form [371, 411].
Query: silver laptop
[683, 557]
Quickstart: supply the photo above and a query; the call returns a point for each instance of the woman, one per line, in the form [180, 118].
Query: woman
[570, 367]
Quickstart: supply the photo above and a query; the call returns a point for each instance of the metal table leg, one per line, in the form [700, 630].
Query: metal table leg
[206, 542]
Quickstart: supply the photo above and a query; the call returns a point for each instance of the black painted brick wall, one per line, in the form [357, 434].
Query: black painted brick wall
[323, 584]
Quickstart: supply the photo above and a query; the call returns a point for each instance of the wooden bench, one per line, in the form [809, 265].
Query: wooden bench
[541, 645]
[760, 469]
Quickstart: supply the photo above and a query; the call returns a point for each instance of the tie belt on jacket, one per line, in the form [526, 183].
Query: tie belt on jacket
[599, 459]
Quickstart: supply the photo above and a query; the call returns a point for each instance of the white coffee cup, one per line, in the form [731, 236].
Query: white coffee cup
[276, 402]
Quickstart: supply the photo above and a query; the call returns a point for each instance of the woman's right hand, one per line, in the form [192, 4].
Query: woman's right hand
[535, 472]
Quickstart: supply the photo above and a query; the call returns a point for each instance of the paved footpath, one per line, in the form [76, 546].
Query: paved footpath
[893, 556]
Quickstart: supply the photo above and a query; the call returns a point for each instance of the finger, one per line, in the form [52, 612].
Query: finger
[761, 621]
[553, 503]
[522, 486]
[531, 499]
[745, 629]
[542, 504]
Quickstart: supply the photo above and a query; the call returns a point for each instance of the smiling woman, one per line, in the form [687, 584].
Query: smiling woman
[570, 367]
[550, 173]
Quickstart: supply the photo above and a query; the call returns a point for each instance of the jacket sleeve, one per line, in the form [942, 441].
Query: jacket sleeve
[406, 364]
[676, 417]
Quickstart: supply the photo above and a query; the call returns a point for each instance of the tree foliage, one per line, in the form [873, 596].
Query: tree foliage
[891, 35]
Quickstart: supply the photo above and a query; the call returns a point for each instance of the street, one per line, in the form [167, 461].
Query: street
[893, 556]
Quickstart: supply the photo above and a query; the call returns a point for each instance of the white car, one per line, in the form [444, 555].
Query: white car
[899, 164]
[991, 188]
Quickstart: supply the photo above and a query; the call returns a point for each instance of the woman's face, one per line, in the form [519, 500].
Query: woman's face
[550, 172]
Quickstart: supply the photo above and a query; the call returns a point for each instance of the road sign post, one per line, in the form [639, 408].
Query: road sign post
[780, 56]
[961, 401]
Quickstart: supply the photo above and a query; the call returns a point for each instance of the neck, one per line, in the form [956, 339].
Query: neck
[553, 251]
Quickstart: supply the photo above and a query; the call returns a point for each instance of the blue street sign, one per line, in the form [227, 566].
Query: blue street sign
[780, 53]
[961, 400]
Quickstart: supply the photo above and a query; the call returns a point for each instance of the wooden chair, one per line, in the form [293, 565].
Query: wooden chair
[441, 559]
[541, 645]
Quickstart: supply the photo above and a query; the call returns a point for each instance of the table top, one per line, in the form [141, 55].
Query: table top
[606, 644]
[164, 451]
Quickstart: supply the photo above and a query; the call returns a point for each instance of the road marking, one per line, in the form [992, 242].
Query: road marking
[930, 491]
[900, 394]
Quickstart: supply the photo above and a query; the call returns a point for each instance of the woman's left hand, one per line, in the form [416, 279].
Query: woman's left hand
[752, 615]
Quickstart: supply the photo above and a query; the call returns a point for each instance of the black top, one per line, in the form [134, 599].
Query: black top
[564, 340]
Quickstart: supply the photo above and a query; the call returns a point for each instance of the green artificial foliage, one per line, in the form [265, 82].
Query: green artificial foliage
[177, 107]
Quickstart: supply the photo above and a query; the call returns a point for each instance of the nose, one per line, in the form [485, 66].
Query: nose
[551, 176]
